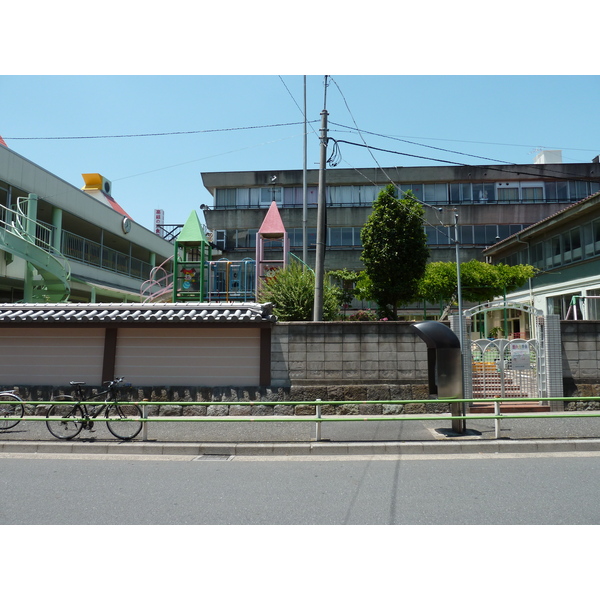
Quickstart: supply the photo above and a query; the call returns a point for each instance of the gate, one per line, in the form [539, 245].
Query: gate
[513, 368]
[505, 369]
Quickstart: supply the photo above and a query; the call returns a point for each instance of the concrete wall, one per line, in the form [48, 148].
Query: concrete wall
[344, 353]
[355, 361]
[581, 357]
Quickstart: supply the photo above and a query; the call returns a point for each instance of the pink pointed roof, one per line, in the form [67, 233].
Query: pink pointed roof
[3, 142]
[272, 226]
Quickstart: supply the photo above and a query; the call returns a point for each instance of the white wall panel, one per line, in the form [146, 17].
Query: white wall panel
[196, 357]
[50, 356]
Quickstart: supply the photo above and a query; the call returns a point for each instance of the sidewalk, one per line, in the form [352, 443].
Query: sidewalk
[259, 438]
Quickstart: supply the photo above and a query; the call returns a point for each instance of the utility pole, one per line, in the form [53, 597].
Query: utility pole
[304, 193]
[321, 218]
[459, 426]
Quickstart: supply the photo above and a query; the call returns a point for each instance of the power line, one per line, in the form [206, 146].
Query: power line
[336, 148]
[465, 141]
[133, 135]
[423, 145]
[296, 103]
[489, 167]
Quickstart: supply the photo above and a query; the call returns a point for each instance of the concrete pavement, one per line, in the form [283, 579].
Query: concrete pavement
[562, 433]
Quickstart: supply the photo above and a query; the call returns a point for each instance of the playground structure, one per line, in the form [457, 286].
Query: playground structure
[196, 277]
[578, 308]
[231, 280]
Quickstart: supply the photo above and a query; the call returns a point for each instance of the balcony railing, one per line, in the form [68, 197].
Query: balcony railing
[78, 248]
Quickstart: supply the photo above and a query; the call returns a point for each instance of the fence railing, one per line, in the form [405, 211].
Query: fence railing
[318, 417]
[78, 248]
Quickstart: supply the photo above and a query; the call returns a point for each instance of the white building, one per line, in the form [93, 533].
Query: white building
[565, 247]
[59, 243]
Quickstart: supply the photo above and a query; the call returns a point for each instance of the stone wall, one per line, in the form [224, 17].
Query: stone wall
[279, 399]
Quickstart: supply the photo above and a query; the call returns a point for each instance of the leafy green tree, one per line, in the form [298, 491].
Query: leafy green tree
[480, 282]
[395, 250]
[347, 280]
[291, 291]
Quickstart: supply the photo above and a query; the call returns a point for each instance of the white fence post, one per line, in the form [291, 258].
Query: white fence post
[318, 427]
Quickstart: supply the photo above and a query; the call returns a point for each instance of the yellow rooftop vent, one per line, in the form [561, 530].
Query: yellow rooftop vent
[95, 181]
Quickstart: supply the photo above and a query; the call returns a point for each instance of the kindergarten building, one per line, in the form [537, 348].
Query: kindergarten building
[59, 243]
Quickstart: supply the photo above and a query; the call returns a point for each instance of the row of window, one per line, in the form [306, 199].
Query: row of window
[246, 238]
[587, 308]
[578, 243]
[429, 193]
[471, 235]
[349, 237]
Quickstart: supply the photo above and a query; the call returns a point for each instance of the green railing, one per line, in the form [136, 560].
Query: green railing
[318, 418]
[76, 247]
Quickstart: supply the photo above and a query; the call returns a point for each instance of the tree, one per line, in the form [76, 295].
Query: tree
[291, 291]
[480, 282]
[395, 249]
[347, 281]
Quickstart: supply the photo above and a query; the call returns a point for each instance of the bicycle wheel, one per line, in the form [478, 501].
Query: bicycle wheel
[125, 420]
[10, 414]
[69, 418]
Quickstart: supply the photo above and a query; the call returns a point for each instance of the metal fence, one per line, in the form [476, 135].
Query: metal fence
[318, 417]
[92, 253]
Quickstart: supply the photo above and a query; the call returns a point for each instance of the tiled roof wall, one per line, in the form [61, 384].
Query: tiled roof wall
[123, 313]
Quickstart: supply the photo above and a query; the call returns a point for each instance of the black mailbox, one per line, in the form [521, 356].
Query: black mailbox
[444, 362]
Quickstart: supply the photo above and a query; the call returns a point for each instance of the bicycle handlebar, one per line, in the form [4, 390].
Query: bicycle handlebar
[109, 384]
[117, 381]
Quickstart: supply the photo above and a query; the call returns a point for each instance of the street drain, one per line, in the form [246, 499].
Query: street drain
[214, 457]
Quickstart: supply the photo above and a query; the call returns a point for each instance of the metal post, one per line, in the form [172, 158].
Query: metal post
[321, 225]
[496, 421]
[145, 423]
[460, 424]
[318, 425]
[304, 192]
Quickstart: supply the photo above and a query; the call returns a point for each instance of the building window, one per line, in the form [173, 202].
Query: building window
[532, 194]
[508, 194]
[483, 193]
[559, 305]
[225, 198]
[269, 195]
[572, 245]
[537, 255]
[436, 193]
[556, 250]
[592, 305]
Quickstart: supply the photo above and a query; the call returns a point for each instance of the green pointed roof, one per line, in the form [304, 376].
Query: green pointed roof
[192, 232]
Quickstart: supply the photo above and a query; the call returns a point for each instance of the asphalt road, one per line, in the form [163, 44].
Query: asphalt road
[477, 490]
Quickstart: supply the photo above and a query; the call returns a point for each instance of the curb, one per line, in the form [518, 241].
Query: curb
[445, 447]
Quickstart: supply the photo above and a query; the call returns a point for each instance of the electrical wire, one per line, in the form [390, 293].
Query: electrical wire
[489, 167]
[296, 103]
[357, 129]
[424, 145]
[133, 135]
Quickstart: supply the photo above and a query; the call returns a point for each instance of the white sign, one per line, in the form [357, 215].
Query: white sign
[159, 220]
[519, 354]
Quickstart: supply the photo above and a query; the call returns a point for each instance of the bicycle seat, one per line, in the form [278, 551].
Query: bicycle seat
[76, 382]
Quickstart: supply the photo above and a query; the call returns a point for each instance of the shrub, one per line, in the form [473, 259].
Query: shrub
[292, 291]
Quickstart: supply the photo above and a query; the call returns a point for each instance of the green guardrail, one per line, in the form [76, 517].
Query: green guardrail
[319, 417]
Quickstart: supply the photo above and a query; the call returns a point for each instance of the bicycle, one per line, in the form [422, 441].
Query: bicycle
[12, 409]
[65, 421]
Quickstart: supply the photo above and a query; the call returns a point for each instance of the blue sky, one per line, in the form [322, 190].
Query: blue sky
[259, 126]
[422, 76]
